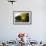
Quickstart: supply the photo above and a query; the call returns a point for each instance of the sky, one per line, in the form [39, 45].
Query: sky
[9, 31]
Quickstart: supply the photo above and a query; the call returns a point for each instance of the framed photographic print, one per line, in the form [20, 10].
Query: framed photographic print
[22, 17]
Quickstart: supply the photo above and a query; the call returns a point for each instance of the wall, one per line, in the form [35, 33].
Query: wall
[9, 31]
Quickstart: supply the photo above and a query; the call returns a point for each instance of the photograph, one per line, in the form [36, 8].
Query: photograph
[22, 17]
